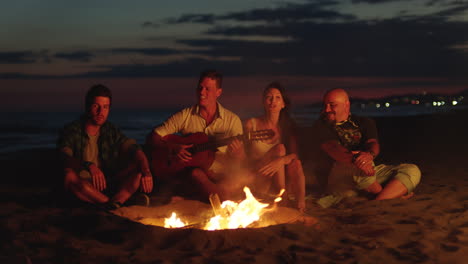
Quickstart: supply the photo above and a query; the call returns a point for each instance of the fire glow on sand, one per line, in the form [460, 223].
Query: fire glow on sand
[248, 213]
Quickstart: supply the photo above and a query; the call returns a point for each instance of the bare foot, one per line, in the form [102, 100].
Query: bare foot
[409, 195]
[301, 206]
[310, 221]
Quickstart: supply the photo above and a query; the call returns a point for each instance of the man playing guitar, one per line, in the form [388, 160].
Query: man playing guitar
[209, 117]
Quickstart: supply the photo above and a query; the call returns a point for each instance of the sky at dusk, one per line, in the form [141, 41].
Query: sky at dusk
[151, 52]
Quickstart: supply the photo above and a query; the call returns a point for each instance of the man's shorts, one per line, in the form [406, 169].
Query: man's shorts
[345, 176]
[408, 174]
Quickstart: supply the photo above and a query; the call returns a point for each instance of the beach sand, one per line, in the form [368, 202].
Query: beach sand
[431, 227]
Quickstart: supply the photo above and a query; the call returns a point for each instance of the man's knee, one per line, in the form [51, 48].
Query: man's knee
[136, 176]
[71, 177]
[412, 170]
[375, 188]
[135, 180]
[73, 183]
[409, 175]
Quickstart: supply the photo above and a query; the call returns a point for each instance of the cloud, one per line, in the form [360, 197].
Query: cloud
[445, 2]
[337, 44]
[310, 39]
[290, 12]
[286, 12]
[149, 24]
[22, 76]
[378, 1]
[237, 48]
[376, 47]
[147, 51]
[18, 57]
[182, 68]
[81, 56]
[457, 9]
[193, 18]
[434, 2]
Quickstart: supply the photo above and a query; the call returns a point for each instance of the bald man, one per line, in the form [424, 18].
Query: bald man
[347, 146]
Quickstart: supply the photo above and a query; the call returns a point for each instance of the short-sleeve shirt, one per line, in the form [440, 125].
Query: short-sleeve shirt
[352, 133]
[187, 121]
[110, 142]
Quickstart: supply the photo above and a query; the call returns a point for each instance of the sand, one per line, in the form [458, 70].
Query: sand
[431, 227]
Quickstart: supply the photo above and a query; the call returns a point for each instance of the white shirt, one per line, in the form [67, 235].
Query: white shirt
[187, 121]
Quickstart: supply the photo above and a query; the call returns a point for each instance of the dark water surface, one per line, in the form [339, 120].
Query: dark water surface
[30, 130]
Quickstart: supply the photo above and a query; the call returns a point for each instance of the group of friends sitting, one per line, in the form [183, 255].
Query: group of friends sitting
[205, 149]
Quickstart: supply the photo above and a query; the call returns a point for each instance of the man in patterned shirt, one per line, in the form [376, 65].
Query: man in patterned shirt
[348, 144]
[98, 159]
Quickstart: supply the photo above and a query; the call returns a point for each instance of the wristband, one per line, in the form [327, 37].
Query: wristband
[86, 164]
[146, 172]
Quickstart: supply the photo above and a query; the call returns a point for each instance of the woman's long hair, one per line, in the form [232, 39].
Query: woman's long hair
[286, 122]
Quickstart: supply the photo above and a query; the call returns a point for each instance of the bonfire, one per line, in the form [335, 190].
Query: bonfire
[248, 213]
[229, 214]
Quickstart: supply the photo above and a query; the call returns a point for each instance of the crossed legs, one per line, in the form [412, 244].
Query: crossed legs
[403, 179]
[84, 190]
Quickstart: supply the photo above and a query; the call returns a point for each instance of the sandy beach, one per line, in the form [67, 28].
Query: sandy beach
[431, 227]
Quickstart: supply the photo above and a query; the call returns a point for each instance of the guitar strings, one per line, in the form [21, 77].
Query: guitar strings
[212, 145]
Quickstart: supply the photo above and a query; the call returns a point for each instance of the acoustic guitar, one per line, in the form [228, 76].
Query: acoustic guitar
[165, 164]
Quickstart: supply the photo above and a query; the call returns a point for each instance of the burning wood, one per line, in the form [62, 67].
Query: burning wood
[173, 222]
[226, 215]
[229, 214]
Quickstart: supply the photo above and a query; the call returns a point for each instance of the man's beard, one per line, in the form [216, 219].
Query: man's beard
[328, 120]
[94, 120]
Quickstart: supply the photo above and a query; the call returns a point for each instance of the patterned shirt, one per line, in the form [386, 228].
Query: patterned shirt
[110, 142]
[352, 133]
[349, 134]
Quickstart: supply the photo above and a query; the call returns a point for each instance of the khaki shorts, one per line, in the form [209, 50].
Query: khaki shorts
[345, 176]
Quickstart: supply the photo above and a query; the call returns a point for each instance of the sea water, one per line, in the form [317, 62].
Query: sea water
[31, 130]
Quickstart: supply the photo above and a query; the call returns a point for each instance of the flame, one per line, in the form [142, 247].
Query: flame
[230, 215]
[173, 222]
[235, 215]
[278, 198]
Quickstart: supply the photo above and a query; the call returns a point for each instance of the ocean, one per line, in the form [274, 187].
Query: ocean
[31, 130]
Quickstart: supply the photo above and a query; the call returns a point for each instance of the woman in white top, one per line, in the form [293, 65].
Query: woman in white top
[275, 161]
